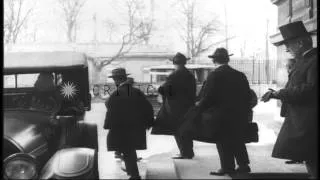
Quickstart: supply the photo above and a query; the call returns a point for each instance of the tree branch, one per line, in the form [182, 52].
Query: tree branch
[138, 31]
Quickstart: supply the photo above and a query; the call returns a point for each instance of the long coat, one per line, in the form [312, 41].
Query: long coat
[227, 92]
[129, 114]
[179, 93]
[297, 138]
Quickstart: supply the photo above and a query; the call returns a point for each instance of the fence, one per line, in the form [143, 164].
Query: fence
[261, 75]
[257, 71]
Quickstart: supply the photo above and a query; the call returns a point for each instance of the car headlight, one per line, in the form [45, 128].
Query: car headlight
[20, 166]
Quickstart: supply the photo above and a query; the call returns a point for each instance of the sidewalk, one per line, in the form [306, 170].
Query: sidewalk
[157, 162]
[110, 168]
[262, 165]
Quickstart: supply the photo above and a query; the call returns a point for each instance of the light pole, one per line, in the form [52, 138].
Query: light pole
[226, 24]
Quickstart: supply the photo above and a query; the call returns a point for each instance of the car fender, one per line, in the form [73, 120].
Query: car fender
[71, 163]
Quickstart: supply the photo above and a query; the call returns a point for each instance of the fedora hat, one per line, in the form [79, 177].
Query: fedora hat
[118, 72]
[291, 31]
[179, 58]
[220, 52]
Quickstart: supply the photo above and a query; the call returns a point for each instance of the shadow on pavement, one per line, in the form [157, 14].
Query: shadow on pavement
[272, 176]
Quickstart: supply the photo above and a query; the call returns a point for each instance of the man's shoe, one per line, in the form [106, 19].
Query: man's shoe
[123, 169]
[243, 169]
[137, 177]
[294, 162]
[222, 172]
[182, 157]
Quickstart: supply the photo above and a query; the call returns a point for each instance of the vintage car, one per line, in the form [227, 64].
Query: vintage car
[39, 142]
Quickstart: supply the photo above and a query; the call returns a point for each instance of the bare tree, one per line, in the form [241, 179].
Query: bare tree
[71, 10]
[16, 14]
[195, 33]
[138, 30]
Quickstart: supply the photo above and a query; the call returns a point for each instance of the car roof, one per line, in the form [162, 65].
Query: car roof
[43, 61]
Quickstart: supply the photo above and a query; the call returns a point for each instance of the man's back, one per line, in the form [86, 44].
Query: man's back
[128, 106]
[180, 85]
[227, 88]
[234, 88]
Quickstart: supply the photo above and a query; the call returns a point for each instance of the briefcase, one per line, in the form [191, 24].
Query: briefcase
[201, 126]
[251, 132]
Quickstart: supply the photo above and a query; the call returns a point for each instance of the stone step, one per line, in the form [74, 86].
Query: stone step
[161, 167]
[197, 168]
[262, 165]
[110, 168]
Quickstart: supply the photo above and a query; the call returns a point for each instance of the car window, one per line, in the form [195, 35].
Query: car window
[26, 80]
[161, 78]
[9, 81]
[23, 80]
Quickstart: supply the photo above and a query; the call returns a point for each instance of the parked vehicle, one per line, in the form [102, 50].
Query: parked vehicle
[38, 141]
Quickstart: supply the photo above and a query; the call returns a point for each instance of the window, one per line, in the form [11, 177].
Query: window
[9, 81]
[26, 80]
[21, 80]
[161, 78]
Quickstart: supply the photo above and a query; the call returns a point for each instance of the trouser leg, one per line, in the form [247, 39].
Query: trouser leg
[185, 144]
[226, 156]
[241, 154]
[130, 160]
[312, 168]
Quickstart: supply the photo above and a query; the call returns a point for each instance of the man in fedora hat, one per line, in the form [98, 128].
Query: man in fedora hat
[297, 138]
[129, 114]
[178, 92]
[227, 92]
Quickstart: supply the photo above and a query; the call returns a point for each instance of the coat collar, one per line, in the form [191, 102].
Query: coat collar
[304, 60]
[221, 66]
[124, 84]
[309, 52]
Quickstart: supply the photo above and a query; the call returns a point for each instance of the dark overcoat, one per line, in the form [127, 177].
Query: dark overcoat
[179, 93]
[227, 93]
[129, 114]
[297, 138]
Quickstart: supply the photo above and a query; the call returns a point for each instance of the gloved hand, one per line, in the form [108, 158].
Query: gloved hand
[270, 94]
[267, 96]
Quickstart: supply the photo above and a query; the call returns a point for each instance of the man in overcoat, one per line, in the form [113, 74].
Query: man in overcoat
[129, 114]
[179, 93]
[298, 137]
[227, 91]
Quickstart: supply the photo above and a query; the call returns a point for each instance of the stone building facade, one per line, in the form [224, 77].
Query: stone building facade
[290, 11]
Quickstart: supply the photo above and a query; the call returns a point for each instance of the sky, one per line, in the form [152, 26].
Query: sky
[246, 19]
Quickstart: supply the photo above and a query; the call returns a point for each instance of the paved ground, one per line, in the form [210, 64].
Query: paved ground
[157, 162]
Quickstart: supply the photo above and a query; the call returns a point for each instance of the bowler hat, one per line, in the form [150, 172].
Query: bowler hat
[179, 58]
[220, 52]
[118, 72]
[292, 30]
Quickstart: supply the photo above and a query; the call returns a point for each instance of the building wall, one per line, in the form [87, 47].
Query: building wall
[290, 11]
